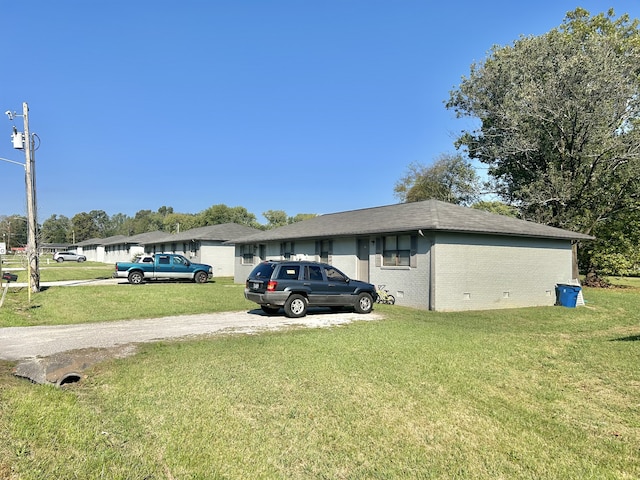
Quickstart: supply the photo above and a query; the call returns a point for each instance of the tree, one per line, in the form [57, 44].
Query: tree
[146, 221]
[559, 124]
[276, 218]
[218, 214]
[55, 229]
[279, 218]
[82, 228]
[450, 179]
[118, 224]
[559, 120]
[300, 217]
[616, 248]
[496, 207]
[14, 230]
[178, 222]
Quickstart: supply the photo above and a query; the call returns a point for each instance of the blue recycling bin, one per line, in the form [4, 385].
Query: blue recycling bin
[567, 295]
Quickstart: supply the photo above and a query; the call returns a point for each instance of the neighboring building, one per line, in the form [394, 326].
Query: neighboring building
[53, 247]
[125, 249]
[430, 254]
[94, 248]
[201, 245]
[204, 245]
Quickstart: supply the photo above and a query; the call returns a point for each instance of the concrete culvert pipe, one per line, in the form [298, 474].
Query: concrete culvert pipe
[69, 378]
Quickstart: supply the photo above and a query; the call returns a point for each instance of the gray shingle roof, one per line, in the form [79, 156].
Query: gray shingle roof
[139, 239]
[429, 215]
[102, 241]
[222, 232]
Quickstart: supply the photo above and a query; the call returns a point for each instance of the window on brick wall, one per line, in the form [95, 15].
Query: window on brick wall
[396, 250]
[323, 250]
[286, 250]
[247, 254]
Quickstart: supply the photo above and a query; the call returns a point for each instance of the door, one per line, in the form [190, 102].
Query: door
[363, 259]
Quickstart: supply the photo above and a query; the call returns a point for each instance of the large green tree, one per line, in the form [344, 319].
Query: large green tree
[83, 228]
[558, 120]
[450, 178]
[55, 229]
[221, 213]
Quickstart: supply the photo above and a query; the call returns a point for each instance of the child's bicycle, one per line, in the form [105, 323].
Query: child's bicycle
[384, 296]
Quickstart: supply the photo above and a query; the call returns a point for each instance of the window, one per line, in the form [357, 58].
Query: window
[396, 250]
[325, 250]
[247, 254]
[264, 270]
[286, 250]
[178, 261]
[289, 272]
[313, 273]
[163, 260]
[334, 275]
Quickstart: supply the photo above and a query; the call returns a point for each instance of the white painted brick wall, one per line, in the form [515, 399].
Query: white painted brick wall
[484, 272]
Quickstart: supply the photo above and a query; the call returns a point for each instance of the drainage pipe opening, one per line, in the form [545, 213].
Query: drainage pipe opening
[69, 378]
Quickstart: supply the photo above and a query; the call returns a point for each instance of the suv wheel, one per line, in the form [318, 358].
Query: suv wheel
[364, 303]
[295, 306]
[60, 260]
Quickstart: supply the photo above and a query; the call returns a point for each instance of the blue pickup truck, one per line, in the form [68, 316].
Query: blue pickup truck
[163, 266]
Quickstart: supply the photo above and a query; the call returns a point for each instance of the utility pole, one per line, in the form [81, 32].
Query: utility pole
[24, 141]
[32, 217]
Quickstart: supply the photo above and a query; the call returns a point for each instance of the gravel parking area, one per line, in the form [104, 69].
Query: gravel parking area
[18, 343]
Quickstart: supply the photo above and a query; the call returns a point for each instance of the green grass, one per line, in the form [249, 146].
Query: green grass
[525, 393]
[88, 304]
[53, 271]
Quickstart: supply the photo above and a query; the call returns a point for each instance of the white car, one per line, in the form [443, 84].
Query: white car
[68, 257]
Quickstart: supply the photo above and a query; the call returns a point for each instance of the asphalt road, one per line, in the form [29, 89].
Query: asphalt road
[20, 343]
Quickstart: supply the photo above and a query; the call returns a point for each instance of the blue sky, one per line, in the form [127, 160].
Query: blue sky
[301, 106]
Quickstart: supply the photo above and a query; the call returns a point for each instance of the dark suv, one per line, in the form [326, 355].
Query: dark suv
[298, 285]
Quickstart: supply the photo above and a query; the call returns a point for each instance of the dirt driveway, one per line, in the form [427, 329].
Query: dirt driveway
[19, 343]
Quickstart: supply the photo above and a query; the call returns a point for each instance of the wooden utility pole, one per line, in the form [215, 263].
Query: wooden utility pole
[32, 217]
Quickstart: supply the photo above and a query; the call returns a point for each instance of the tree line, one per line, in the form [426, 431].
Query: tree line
[98, 224]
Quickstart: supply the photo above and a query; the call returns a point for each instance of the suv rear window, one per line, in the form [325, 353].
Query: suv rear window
[264, 270]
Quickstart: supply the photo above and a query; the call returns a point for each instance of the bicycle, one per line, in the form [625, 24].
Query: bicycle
[384, 296]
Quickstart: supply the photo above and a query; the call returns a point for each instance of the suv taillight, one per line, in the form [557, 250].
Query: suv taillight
[271, 286]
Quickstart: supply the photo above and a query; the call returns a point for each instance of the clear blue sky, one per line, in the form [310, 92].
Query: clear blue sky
[295, 105]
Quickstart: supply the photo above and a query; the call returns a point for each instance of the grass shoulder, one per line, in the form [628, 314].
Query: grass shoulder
[87, 304]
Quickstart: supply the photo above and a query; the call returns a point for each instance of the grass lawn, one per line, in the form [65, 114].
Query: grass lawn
[524, 393]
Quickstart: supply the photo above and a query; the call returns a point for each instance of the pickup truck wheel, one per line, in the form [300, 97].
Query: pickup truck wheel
[201, 277]
[364, 304]
[295, 306]
[136, 278]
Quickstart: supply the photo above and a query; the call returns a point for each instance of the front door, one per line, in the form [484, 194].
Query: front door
[363, 259]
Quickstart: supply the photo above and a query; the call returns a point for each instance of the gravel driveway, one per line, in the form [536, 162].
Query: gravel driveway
[19, 343]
